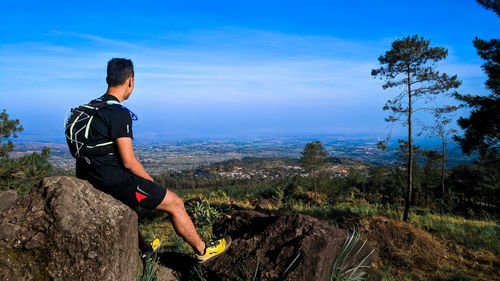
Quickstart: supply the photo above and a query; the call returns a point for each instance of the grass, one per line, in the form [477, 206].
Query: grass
[475, 234]
[164, 230]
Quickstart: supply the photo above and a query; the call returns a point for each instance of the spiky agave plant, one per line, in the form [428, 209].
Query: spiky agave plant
[150, 268]
[247, 273]
[345, 267]
[253, 277]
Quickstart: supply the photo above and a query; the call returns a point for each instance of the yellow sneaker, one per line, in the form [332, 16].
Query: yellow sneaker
[155, 244]
[214, 249]
[152, 248]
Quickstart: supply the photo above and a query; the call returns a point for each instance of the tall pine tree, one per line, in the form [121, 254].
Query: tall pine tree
[410, 66]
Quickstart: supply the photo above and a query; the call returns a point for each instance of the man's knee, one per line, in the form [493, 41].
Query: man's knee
[178, 204]
[171, 203]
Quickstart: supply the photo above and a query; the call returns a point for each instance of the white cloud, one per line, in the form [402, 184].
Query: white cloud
[228, 69]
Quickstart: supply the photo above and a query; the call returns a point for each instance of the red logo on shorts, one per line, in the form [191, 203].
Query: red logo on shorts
[140, 196]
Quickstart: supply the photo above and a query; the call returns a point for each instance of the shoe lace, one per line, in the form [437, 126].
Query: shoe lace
[213, 244]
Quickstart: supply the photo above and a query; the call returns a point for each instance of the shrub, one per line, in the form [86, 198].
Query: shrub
[203, 216]
[23, 173]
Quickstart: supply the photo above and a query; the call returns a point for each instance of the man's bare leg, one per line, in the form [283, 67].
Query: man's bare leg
[174, 206]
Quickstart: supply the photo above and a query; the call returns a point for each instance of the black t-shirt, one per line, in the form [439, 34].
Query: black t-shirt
[109, 123]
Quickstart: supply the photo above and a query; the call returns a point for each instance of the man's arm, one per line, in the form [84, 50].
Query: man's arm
[129, 161]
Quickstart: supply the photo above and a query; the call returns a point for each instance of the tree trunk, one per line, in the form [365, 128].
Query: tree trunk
[410, 154]
[427, 178]
[443, 159]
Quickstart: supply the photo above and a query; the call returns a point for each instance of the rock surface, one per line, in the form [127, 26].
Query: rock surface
[67, 230]
[273, 242]
[166, 274]
[7, 198]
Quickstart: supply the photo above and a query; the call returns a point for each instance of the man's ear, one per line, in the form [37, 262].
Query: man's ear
[130, 81]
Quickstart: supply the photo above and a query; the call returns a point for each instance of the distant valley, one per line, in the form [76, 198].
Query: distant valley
[184, 154]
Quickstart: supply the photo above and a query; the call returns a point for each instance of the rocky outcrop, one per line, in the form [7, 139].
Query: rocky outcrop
[270, 244]
[67, 230]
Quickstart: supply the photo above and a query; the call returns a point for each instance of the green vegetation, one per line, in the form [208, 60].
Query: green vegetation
[475, 234]
[357, 198]
[203, 216]
[21, 173]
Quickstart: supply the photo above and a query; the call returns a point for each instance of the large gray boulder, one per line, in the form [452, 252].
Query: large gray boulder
[67, 230]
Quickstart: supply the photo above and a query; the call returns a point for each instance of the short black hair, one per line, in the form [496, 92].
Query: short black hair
[119, 70]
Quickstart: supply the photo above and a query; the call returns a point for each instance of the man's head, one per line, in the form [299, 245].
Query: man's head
[120, 74]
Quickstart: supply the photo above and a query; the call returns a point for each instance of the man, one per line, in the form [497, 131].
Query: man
[120, 174]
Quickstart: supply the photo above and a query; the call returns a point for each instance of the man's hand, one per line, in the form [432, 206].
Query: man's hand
[128, 158]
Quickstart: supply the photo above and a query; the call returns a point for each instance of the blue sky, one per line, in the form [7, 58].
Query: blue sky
[226, 68]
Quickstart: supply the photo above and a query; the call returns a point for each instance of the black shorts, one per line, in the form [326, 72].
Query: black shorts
[137, 191]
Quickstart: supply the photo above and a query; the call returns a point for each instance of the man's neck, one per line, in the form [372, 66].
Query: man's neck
[116, 92]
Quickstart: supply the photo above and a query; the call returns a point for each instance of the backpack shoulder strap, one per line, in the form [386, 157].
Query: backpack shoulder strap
[98, 103]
